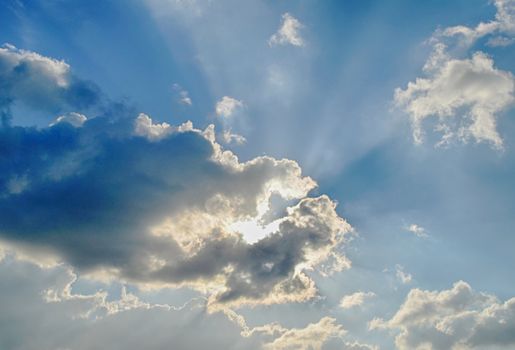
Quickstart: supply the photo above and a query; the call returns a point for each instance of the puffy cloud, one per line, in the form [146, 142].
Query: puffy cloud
[41, 82]
[471, 89]
[143, 126]
[154, 205]
[288, 33]
[417, 230]
[311, 337]
[458, 318]
[465, 95]
[227, 106]
[355, 299]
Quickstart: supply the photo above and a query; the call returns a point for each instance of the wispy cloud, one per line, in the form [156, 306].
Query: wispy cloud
[288, 33]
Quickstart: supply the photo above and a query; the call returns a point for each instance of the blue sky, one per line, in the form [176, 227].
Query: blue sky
[257, 175]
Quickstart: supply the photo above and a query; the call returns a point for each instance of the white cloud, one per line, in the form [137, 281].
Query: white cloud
[227, 106]
[401, 275]
[72, 118]
[464, 95]
[288, 33]
[355, 299]
[469, 93]
[229, 137]
[183, 95]
[458, 318]
[504, 24]
[417, 230]
[312, 337]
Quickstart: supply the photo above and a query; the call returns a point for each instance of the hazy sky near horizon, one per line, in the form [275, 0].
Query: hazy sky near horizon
[222, 174]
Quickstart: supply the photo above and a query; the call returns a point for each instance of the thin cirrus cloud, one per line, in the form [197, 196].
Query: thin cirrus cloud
[288, 33]
[464, 95]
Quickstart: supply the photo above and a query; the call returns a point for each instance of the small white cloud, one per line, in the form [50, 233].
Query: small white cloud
[228, 137]
[185, 99]
[182, 95]
[143, 126]
[227, 106]
[75, 119]
[356, 299]
[288, 33]
[401, 275]
[417, 230]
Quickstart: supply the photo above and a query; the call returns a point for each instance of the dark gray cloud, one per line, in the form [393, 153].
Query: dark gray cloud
[93, 193]
[153, 204]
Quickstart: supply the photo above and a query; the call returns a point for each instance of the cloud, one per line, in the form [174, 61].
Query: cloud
[183, 95]
[41, 83]
[229, 137]
[157, 205]
[227, 106]
[100, 318]
[44, 303]
[401, 275]
[417, 230]
[503, 25]
[472, 90]
[355, 299]
[288, 33]
[457, 318]
[153, 204]
[464, 95]
[72, 118]
[312, 337]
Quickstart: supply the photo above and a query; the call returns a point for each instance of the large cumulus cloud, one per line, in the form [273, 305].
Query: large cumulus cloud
[158, 205]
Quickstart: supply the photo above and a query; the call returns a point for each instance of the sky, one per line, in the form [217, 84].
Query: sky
[223, 174]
